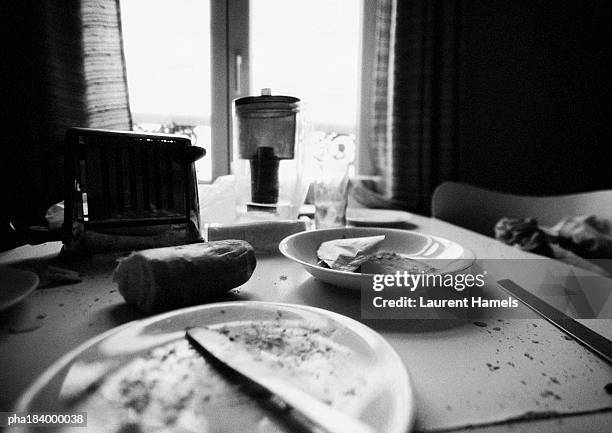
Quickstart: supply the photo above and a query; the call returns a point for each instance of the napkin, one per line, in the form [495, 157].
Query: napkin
[264, 236]
[574, 240]
[587, 235]
[348, 254]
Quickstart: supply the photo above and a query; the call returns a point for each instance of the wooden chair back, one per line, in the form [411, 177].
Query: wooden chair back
[479, 209]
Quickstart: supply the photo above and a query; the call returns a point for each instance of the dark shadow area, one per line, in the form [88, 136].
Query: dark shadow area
[534, 93]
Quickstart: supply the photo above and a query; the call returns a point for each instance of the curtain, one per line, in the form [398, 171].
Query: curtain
[414, 134]
[64, 67]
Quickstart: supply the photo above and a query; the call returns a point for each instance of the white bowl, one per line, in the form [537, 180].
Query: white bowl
[302, 248]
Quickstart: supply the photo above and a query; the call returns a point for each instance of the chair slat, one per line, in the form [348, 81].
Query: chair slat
[145, 162]
[169, 185]
[95, 180]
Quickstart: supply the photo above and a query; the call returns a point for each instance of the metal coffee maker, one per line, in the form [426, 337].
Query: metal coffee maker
[268, 156]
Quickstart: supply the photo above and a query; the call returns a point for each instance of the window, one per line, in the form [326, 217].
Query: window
[187, 60]
[309, 49]
[168, 62]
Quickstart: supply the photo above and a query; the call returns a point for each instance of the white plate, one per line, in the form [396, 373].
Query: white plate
[15, 285]
[302, 248]
[384, 400]
[377, 217]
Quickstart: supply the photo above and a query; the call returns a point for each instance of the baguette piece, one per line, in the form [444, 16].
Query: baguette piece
[163, 279]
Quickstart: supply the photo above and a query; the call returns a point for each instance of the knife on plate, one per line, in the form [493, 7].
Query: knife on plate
[595, 342]
[234, 358]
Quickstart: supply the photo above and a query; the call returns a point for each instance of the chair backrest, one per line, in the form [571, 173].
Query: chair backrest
[479, 209]
[117, 178]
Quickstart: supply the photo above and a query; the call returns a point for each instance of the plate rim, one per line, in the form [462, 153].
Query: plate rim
[406, 399]
[33, 285]
[282, 246]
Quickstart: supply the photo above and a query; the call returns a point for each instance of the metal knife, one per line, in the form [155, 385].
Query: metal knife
[235, 359]
[589, 338]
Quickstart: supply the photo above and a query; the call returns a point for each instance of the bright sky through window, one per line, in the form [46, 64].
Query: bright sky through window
[309, 49]
[305, 48]
[167, 50]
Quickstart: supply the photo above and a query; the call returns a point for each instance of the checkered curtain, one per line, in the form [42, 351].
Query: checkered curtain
[106, 89]
[65, 67]
[414, 135]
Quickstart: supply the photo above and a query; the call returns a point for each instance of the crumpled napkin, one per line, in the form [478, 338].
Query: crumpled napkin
[588, 236]
[573, 239]
[348, 254]
[55, 216]
[524, 233]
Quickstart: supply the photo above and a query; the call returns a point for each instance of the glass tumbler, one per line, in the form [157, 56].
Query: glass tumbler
[331, 185]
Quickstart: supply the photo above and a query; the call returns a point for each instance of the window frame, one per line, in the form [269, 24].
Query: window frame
[230, 78]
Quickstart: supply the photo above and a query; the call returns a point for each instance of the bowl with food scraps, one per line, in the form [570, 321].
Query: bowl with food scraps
[348, 256]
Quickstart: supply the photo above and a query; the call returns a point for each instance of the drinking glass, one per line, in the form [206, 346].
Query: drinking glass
[332, 182]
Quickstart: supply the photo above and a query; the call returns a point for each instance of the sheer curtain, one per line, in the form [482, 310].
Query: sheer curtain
[63, 67]
[413, 141]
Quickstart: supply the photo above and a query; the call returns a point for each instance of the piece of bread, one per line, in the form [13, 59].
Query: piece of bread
[388, 262]
[162, 279]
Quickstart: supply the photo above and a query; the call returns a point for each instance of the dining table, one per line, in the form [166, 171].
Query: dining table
[481, 374]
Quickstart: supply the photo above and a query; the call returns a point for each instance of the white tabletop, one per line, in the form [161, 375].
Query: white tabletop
[506, 376]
